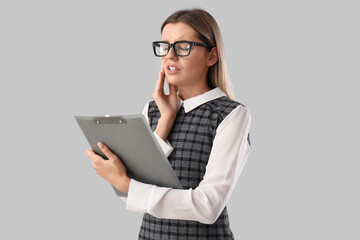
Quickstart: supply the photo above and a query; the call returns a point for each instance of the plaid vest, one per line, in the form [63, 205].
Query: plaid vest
[191, 137]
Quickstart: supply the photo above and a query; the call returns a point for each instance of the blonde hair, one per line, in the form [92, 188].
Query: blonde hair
[205, 25]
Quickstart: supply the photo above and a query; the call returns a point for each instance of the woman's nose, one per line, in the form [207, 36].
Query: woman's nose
[171, 54]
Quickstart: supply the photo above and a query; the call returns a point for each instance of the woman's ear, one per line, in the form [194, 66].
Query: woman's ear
[213, 56]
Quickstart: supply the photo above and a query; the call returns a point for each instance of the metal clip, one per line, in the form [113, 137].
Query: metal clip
[108, 120]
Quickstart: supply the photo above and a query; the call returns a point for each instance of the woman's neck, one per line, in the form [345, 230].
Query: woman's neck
[186, 92]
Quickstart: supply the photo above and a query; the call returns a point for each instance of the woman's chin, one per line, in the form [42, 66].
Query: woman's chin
[173, 80]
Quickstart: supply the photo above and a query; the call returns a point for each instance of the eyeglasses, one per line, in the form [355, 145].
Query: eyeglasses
[181, 48]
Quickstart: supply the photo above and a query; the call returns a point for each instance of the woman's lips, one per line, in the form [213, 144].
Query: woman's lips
[172, 69]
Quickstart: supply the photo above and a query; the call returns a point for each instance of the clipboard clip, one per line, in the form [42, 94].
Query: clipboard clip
[108, 120]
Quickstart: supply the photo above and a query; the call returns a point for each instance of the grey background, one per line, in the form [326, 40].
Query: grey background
[295, 64]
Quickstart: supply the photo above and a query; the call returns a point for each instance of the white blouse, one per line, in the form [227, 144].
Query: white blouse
[227, 158]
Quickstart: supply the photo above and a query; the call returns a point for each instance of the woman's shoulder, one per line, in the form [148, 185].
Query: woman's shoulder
[152, 107]
[224, 105]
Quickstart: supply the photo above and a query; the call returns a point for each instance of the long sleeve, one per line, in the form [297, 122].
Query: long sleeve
[205, 203]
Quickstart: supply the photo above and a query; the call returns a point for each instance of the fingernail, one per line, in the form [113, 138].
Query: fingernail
[100, 144]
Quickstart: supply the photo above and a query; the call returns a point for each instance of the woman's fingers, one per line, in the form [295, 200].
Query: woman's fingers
[92, 155]
[110, 155]
[166, 103]
[112, 171]
[159, 87]
[95, 159]
[106, 151]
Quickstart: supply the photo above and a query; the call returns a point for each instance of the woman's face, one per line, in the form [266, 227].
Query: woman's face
[190, 71]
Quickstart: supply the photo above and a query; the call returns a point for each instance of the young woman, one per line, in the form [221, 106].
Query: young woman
[202, 130]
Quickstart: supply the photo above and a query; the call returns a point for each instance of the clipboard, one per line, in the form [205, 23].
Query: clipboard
[132, 140]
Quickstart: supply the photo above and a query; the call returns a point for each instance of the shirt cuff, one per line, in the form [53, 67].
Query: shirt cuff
[139, 196]
[165, 146]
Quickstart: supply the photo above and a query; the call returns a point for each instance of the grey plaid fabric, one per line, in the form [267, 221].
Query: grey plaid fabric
[191, 137]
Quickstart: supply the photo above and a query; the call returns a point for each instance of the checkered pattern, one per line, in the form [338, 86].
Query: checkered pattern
[191, 137]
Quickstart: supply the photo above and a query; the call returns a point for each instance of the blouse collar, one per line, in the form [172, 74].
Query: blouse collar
[194, 102]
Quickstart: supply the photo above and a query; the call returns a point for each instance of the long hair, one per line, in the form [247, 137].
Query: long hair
[208, 30]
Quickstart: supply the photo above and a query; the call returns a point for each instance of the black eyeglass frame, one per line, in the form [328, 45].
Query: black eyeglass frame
[171, 45]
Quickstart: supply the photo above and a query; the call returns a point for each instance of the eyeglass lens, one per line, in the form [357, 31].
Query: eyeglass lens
[181, 48]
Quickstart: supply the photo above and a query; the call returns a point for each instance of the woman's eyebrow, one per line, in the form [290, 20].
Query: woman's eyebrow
[178, 40]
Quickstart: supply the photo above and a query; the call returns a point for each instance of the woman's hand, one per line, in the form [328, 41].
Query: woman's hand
[167, 104]
[112, 170]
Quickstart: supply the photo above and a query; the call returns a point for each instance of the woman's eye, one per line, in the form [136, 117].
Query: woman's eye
[183, 47]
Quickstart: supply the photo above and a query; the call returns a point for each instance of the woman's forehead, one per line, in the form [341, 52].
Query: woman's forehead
[178, 31]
